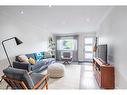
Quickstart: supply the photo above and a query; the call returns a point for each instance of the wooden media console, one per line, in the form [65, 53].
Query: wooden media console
[104, 74]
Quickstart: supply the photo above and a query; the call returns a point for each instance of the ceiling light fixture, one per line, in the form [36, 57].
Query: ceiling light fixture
[87, 20]
[22, 12]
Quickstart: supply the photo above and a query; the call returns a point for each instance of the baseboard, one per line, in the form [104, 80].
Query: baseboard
[116, 87]
[82, 61]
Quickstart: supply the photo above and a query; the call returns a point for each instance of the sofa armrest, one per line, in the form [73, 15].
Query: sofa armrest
[22, 65]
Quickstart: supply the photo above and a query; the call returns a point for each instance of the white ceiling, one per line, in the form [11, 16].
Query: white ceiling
[58, 19]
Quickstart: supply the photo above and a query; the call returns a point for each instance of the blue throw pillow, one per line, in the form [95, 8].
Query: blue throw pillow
[39, 56]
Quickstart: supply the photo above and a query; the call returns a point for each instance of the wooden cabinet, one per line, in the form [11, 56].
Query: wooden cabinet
[104, 74]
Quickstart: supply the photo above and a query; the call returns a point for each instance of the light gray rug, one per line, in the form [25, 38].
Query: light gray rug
[3, 85]
[71, 80]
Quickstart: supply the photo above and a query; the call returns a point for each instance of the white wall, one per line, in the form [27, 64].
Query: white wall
[113, 31]
[34, 39]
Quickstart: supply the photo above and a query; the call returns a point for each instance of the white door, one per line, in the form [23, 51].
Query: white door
[88, 48]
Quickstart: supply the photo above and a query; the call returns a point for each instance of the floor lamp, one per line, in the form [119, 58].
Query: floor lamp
[18, 42]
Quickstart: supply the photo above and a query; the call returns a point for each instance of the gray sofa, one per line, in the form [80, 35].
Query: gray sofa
[40, 65]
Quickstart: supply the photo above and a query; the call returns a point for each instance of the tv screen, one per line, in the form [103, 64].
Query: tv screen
[102, 52]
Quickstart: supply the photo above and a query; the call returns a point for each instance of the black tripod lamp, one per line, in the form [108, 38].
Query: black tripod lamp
[18, 42]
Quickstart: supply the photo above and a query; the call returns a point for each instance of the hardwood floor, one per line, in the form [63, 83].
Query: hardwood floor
[87, 79]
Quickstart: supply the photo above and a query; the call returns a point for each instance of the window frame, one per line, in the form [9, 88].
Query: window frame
[61, 41]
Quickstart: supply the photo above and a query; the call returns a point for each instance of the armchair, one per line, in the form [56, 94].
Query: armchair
[21, 79]
[66, 56]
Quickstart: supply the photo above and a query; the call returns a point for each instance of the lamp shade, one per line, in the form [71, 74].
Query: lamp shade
[18, 42]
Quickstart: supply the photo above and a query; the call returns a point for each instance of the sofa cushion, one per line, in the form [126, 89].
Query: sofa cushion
[39, 56]
[49, 60]
[43, 67]
[37, 65]
[23, 58]
[22, 65]
[45, 61]
[47, 55]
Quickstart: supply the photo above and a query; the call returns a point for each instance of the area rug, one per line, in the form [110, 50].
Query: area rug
[71, 80]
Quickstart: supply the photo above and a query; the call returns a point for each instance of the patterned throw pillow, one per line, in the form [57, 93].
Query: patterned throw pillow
[39, 56]
[23, 58]
[31, 60]
[47, 55]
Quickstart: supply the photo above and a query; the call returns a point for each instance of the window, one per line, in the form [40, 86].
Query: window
[66, 44]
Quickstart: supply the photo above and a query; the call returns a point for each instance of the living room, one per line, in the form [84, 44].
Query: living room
[52, 31]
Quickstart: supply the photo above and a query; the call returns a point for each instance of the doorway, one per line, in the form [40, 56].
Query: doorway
[88, 48]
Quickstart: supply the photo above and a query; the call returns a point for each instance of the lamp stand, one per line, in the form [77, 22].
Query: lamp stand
[17, 42]
[7, 55]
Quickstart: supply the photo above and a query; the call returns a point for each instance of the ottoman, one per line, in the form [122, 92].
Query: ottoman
[56, 70]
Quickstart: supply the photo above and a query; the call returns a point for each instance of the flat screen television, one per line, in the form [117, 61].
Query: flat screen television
[102, 52]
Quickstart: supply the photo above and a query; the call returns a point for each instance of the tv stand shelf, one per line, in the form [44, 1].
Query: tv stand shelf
[104, 74]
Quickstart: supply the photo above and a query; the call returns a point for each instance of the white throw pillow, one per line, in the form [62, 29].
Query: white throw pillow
[23, 58]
